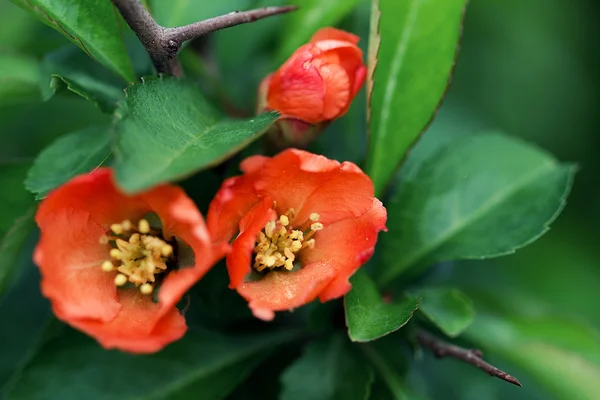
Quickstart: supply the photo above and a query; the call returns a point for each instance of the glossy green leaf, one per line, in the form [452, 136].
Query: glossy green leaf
[449, 309]
[419, 41]
[561, 355]
[167, 130]
[482, 196]
[71, 69]
[312, 15]
[10, 248]
[174, 13]
[328, 369]
[368, 317]
[92, 25]
[70, 155]
[18, 78]
[202, 365]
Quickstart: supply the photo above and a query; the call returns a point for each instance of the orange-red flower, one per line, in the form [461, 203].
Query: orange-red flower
[305, 223]
[318, 82]
[102, 254]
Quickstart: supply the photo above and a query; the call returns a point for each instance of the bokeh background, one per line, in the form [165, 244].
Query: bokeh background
[528, 68]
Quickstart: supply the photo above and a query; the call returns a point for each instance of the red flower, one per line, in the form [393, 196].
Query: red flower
[94, 238]
[306, 224]
[318, 82]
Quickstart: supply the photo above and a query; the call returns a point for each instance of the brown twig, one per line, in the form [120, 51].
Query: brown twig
[471, 356]
[163, 44]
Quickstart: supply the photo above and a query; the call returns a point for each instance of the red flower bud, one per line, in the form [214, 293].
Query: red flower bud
[318, 82]
[306, 224]
[102, 255]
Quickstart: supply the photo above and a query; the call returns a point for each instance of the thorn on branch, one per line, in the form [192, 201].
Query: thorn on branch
[472, 356]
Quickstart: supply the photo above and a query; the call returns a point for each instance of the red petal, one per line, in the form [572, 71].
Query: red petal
[69, 255]
[279, 291]
[345, 246]
[240, 257]
[95, 193]
[297, 90]
[141, 326]
[310, 183]
[334, 34]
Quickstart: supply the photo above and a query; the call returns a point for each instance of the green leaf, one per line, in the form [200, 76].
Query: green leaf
[482, 196]
[167, 130]
[68, 67]
[92, 25]
[312, 15]
[182, 12]
[449, 309]
[561, 355]
[328, 369]
[368, 317]
[419, 41]
[70, 155]
[10, 248]
[202, 365]
[18, 78]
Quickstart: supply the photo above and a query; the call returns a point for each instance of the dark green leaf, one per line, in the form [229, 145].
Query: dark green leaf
[419, 41]
[202, 365]
[449, 309]
[92, 25]
[300, 25]
[182, 12]
[18, 77]
[70, 68]
[482, 196]
[368, 317]
[559, 354]
[167, 130]
[328, 370]
[15, 200]
[10, 248]
[70, 155]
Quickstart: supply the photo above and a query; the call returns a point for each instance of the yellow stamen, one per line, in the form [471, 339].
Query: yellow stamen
[116, 228]
[126, 225]
[107, 266]
[116, 254]
[120, 280]
[278, 243]
[146, 288]
[144, 226]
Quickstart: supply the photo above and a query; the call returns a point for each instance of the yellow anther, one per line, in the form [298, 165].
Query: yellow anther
[116, 228]
[116, 254]
[107, 266]
[166, 250]
[120, 280]
[285, 221]
[314, 217]
[135, 238]
[317, 226]
[296, 245]
[289, 264]
[126, 225]
[103, 239]
[146, 288]
[144, 226]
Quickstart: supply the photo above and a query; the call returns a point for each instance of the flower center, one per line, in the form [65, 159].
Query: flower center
[138, 254]
[278, 243]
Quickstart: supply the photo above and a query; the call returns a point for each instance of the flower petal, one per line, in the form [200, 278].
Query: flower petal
[334, 34]
[141, 326]
[279, 291]
[310, 183]
[240, 258]
[69, 255]
[345, 246]
[95, 193]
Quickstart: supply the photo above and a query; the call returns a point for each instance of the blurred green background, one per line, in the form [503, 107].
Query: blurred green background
[529, 68]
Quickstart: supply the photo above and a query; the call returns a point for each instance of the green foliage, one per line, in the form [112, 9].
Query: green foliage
[92, 25]
[328, 369]
[10, 248]
[483, 196]
[71, 69]
[449, 309]
[18, 78]
[182, 12]
[413, 69]
[167, 123]
[368, 317]
[71, 155]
